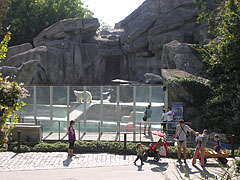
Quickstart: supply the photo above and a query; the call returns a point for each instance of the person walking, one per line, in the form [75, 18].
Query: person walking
[71, 137]
[181, 136]
[170, 115]
[203, 139]
[148, 114]
[203, 145]
[198, 140]
[164, 120]
[140, 150]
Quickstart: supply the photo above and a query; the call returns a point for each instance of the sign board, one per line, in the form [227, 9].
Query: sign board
[177, 108]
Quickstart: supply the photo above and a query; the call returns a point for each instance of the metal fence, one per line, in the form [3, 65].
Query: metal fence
[110, 109]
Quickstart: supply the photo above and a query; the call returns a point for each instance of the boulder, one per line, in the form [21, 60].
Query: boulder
[14, 50]
[151, 78]
[71, 53]
[25, 73]
[17, 60]
[177, 55]
[61, 29]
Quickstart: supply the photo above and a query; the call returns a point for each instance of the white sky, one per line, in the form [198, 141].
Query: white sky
[112, 11]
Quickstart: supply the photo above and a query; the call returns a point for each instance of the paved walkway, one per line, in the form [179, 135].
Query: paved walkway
[33, 161]
[57, 166]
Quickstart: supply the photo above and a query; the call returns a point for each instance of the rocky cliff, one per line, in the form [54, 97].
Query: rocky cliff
[70, 52]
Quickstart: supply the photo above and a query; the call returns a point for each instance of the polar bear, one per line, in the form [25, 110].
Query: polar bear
[80, 96]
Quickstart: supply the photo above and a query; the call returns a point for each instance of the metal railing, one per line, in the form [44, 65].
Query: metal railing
[111, 127]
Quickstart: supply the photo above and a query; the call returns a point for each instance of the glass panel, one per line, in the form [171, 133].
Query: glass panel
[142, 94]
[60, 103]
[109, 109]
[142, 100]
[126, 107]
[43, 103]
[26, 114]
[76, 107]
[157, 106]
[93, 108]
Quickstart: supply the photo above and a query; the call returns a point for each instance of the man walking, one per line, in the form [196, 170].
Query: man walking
[181, 136]
[164, 120]
[148, 114]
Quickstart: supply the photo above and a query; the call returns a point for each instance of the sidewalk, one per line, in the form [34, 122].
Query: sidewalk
[56, 166]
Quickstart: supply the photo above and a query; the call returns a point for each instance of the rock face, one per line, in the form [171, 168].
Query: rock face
[178, 93]
[71, 53]
[177, 55]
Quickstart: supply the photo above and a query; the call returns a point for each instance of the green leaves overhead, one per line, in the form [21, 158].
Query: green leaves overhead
[27, 18]
[222, 58]
[4, 45]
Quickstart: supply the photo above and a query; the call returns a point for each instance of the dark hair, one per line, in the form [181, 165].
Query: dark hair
[149, 106]
[169, 108]
[164, 110]
[181, 121]
[139, 144]
[72, 122]
[216, 136]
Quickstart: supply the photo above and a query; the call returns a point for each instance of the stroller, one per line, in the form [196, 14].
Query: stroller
[152, 150]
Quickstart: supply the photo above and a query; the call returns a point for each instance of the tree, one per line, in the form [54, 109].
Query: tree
[4, 4]
[222, 58]
[27, 18]
[10, 94]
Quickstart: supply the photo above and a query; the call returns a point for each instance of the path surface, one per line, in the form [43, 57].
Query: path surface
[57, 166]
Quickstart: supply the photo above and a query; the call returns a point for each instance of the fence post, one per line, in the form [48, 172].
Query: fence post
[99, 129]
[140, 132]
[79, 130]
[19, 141]
[59, 126]
[125, 143]
[233, 144]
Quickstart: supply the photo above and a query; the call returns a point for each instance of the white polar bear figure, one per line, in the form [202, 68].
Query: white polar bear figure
[80, 96]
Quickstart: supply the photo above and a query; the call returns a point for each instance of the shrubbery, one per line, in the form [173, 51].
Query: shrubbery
[92, 147]
[23, 148]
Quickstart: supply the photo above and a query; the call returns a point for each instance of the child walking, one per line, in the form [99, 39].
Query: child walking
[218, 144]
[198, 140]
[140, 150]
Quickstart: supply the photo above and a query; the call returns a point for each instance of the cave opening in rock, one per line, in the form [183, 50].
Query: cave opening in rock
[112, 68]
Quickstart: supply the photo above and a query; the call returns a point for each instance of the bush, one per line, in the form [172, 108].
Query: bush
[238, 166]
[23, 148]
[94, 147]
[46, 147]
[237, 153]
[172, 152]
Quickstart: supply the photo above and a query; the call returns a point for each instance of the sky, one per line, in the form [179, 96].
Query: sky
[112, 11]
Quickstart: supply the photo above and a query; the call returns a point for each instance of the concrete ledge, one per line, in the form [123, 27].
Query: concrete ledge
[28, 132]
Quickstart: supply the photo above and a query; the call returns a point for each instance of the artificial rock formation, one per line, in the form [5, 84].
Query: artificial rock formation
[70, 52]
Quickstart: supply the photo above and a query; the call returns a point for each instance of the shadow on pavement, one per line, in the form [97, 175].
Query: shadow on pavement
[14, 155]
[160, 167]
[185, 169]
[139, 167]
[204, 173]
[67, 161]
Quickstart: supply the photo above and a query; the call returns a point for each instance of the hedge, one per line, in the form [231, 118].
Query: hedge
[96, 147]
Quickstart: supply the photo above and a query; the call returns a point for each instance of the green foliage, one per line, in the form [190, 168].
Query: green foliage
[4, 46]
[10, 93]
[46, 147]
[238, 166]
[27, 18]
[23, 149]
[94, 147]
[4, 4]
[198, 87]
[222, 58]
